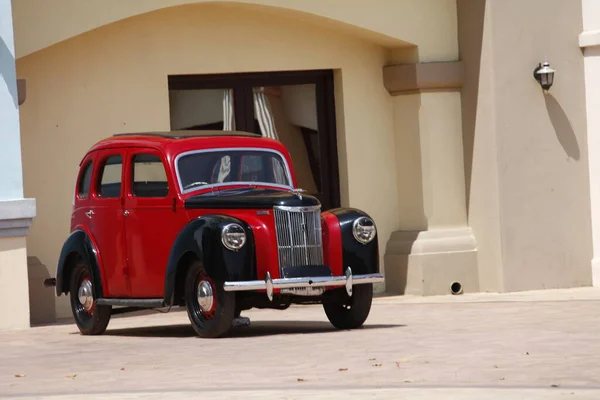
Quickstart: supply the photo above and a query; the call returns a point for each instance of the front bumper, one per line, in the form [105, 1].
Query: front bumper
[348, 280]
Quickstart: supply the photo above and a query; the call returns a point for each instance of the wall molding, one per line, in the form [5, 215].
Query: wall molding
[434, 241]
[423, 77]
[589, 39]
[16, 217]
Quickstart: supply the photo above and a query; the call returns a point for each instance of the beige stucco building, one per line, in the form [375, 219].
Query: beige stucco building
[424, 113]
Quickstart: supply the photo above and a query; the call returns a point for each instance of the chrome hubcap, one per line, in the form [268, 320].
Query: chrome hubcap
[205, 296]
[85, 295]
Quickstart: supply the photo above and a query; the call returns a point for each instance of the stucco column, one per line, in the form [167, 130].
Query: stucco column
[434, 246]
[589, 40]
[16, 212]
[442, 160]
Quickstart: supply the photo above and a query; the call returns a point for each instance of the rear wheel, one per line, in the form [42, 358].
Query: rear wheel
[350, 312]
[91, 319]
[210, 308]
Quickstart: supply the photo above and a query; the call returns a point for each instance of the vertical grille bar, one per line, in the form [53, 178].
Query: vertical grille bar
[299, 238]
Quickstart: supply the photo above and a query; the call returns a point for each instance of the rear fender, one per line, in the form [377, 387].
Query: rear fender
[78, 244]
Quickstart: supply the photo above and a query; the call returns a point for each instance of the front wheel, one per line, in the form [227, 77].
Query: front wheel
[210, 308]
[91, 318]
[350, 312]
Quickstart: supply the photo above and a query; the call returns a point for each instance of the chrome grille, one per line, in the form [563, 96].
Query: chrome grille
[298, 235]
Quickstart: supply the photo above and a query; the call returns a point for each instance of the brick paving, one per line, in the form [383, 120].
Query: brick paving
[467, 349]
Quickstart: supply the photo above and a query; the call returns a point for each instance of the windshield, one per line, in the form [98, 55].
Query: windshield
[211, 168]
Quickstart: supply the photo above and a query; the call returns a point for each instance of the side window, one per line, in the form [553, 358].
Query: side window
[149, 176]
[83, 188]
[110, 177]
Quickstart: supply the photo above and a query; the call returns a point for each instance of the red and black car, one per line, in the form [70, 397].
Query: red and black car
[214, 222]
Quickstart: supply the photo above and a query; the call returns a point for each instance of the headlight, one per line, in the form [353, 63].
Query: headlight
[233, 237]
[364, 230]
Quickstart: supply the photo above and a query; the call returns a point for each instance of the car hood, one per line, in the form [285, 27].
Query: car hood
[253, 198]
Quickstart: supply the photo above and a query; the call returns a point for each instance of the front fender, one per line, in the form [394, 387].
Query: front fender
[362, 258]
[202, 238]
[78, 244]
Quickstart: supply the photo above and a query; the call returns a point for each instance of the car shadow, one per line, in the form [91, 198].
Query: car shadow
[256, 329]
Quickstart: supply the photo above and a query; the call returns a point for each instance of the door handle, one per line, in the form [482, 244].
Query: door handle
[126, 213]
[89, 213]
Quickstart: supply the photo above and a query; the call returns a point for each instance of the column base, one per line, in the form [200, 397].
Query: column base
[15, 220]
[428, 262]
[14, 288]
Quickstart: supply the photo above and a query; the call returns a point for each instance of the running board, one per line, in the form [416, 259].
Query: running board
[143, 303]
[125, 310]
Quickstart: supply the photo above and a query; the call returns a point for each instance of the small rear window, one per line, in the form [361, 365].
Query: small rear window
[83, 188]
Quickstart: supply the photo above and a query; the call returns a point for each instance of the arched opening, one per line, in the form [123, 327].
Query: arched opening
[116, 79]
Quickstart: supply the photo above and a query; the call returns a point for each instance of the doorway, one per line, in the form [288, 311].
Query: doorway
[294, 107]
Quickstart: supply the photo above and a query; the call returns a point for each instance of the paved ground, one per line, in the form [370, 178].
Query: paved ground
[520, 346]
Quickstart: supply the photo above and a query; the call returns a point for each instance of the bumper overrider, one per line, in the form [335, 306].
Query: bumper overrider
[268, 284]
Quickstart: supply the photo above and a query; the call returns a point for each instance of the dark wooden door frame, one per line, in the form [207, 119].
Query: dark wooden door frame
[244, 111]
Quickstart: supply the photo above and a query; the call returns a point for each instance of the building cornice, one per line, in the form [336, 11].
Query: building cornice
[423, 77]
[16, 217]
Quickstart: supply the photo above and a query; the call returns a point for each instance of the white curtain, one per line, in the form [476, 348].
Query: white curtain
[228, 125]
[266, 121]
[264, 115]
[228, 114]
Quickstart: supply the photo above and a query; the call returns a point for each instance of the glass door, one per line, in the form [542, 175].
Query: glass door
[296, 108]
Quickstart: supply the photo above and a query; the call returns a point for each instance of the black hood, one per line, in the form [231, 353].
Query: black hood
[253, 198]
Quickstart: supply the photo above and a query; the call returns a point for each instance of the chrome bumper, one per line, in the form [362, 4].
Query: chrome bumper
[348, 280]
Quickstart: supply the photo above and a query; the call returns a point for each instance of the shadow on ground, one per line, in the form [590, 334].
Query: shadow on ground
[260, 328]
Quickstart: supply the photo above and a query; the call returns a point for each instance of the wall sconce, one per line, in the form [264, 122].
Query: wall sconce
[544, 74]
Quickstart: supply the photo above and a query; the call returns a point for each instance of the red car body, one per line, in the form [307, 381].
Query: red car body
[133, 239]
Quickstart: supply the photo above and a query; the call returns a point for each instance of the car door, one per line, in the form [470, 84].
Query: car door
[152, 221]
[107, 222]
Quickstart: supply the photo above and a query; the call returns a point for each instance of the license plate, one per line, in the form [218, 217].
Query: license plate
[304, 291]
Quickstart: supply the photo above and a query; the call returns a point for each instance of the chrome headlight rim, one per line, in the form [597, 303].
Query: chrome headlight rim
[233, 236]
[358, 228]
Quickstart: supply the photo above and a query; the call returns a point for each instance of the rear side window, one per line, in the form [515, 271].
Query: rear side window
[83, 188]
[149, 176]
[110, 177]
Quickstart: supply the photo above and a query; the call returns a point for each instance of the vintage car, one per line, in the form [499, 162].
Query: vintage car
[210, 221]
